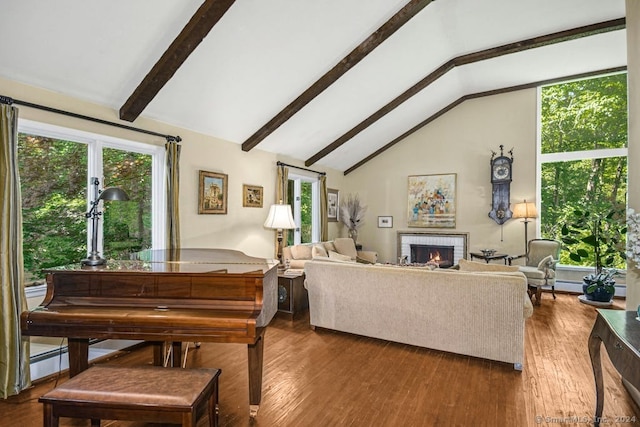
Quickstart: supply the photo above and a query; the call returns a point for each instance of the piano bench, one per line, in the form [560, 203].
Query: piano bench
[148, 393]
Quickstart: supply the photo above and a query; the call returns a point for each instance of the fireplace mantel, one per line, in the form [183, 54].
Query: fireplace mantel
[458, 239]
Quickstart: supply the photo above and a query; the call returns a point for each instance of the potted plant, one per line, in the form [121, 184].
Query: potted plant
[596, 234]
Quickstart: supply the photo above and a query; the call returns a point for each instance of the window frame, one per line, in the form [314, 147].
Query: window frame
[95, 143]
[298, 178]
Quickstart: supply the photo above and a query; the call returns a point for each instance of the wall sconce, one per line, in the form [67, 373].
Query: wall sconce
[280, 218]
[525, 210]
[109, 194]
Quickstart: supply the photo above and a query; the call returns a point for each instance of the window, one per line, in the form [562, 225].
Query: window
[55, 166]
[304, 198]
[583, 154]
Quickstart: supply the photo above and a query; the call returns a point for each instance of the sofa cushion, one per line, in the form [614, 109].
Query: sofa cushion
[301, 252]
[339, 257]
[466, 265]
[319, 251]
[345, 246]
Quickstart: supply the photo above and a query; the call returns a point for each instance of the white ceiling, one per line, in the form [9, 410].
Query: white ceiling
[263, 54]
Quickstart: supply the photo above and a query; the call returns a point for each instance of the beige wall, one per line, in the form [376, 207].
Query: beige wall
[459, 142]
[241, 228]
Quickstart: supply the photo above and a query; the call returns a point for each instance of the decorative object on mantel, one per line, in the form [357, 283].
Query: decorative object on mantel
[526, 210]
[280, 218]
[352, 215]
[597, 235]
[432, 201]
[501, 176]
[111, 193]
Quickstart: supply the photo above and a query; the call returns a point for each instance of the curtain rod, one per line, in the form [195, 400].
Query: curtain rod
[9, 101]
[298, 167]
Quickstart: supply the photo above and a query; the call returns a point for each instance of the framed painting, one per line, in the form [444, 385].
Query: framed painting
[251, 196]
[385, 222]
[212, 197]
[333, 204]
[432, 201]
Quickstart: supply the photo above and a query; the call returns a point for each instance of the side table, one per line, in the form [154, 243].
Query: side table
[292, 295]
[488, 258]
[619, 332]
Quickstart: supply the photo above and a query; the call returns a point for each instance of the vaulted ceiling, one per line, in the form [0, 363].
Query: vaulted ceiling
[331, 82]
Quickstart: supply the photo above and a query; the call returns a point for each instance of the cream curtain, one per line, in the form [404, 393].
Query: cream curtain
[282, 184]
[172, 150]
[14, 350]
[324, 220]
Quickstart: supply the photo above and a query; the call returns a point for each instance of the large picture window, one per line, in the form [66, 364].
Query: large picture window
[583, 155]
[56, 165]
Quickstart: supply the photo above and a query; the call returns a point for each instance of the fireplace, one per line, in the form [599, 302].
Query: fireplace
[441, 255]
[458, 240]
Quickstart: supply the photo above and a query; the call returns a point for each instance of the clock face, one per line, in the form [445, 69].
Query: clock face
[501, 169]
[501, 172]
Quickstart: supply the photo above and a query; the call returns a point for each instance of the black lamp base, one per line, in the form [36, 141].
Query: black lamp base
[94, 260]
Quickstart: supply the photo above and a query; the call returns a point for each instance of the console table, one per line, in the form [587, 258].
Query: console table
[619, 331]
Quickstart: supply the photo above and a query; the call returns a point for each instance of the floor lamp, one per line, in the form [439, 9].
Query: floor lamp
[526, 210]
[280, 218]
[111, 193]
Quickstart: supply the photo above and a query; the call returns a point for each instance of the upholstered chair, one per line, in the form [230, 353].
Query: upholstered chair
[540, 266]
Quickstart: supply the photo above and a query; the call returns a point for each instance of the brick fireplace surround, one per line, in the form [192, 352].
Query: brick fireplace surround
[458, 239]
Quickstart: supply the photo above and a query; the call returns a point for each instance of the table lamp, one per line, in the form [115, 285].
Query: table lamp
[280, 218]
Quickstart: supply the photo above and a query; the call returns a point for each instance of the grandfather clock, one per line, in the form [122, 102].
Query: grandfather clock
[501, 175]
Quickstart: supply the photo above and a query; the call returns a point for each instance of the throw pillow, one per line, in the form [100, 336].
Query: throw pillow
[345, 246]
[329, 246]
[301, 252]
[483, 266]
[338, 257]
[545, 262]
[319, 251]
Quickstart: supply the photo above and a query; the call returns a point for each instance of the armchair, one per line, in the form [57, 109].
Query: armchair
[540, 266]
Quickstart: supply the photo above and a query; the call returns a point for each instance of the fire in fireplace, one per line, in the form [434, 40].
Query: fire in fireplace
[442, 255]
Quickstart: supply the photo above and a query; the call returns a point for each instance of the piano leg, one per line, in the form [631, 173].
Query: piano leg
[255, 352]
[78, 355]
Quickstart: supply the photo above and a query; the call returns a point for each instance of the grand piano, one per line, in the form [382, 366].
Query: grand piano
[175, 296]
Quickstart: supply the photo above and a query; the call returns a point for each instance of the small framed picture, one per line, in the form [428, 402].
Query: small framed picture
[385, 222]
[333, 204]
[251, 196]
[212, 196]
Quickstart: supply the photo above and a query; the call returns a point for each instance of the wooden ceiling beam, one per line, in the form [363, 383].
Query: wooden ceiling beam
[207, 15]
[478, 95]
[367, 46]
[482, 55]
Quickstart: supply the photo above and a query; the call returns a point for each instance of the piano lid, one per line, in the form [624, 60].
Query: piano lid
[181, 261]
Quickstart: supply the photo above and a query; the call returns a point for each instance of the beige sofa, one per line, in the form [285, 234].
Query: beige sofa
[475, 313]
[342, 249]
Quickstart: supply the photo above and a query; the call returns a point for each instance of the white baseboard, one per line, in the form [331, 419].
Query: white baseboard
[57, 359]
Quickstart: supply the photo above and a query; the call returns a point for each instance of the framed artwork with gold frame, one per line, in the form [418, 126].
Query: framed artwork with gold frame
[212, 195]
[251, 196]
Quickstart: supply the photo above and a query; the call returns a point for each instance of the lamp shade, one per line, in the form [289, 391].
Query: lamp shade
[114, 193]
[525, 210]
[280, 217]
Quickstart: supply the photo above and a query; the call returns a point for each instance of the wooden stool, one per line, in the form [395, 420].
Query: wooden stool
[148, 393]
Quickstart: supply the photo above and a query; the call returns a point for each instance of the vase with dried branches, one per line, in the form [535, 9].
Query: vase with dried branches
[352, 215]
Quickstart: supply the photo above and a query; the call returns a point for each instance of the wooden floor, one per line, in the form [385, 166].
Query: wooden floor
[327, 378]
